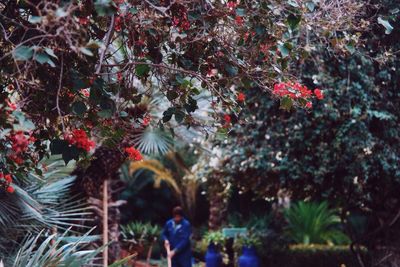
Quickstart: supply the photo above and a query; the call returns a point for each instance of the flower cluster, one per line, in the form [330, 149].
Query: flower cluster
[133, 153]
[79, 138]
[227, 120]
[146, 120]
[297, 91]
[5, 182]
[231, 5]
[240, 97]
[19, 144]
[180, 19]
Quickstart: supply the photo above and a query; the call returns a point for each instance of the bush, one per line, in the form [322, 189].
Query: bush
[311, 255]
[314, 223]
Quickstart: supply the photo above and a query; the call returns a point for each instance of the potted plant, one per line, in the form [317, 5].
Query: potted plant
[138, 237]
[215, 241]
[248, 245]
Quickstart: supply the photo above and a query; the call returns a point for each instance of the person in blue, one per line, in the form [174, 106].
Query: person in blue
[176, 235]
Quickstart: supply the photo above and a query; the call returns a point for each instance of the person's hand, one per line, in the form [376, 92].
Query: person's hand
[171, 254]
[166, 243]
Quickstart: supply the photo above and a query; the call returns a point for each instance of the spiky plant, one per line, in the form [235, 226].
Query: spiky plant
[40, 203]
[314, 223]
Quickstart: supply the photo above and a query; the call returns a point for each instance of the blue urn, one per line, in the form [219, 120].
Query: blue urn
[213, 256]
[249, 258]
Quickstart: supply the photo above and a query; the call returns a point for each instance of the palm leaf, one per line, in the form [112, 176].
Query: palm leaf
[314, 223]
[160, 174]
[153, 141]
[54, 251]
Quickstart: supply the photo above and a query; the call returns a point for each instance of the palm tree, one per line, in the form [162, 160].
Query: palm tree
[310, 222]
[41, 204]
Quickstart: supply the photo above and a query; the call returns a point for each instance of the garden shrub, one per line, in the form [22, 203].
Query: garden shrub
[311, 255]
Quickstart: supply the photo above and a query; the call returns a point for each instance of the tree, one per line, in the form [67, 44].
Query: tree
[346, 150]
[82, 72]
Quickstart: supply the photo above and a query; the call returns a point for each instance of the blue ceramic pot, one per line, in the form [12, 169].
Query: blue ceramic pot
[249, 258]
[213, 257]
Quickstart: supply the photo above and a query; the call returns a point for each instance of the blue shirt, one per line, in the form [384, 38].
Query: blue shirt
[178, 235]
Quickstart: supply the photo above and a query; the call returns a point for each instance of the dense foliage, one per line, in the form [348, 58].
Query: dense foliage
[103, 81]
[346, 150]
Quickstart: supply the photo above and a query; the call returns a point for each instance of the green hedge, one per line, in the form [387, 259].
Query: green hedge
[312, 255]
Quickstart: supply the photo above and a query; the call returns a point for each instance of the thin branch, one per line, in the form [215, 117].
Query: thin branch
[58, 93]
[108, 39]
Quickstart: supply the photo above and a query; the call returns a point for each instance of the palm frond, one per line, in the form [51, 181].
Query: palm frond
[54, 251]
[310, 222]
[153, 141]
[161, 174]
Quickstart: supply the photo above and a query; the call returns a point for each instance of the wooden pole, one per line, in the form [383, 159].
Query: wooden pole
[105, 223]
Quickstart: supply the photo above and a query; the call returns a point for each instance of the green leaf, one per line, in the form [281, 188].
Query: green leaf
[172, 94]
[43, 58]
[311, 6]
[122, 262]
[106, 113]
[142, 69]
[123, 114]
[133, 10]
[86, 51]
[191, 105]
[286, 103]
[23, 52]
[284, 49]
[386, 24]
[104, 7]
[293, 3]
[35, 19]
[167, 115]
[350, 47]
[179, 115]
[79, 108]
[231, 70]
[57, 146]
[293, 21]
[240, 12]
[50, 52]
[60, 12]
[136, 99]
[70, 153]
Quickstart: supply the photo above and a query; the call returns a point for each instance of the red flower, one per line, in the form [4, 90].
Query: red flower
[79, 138]
[227, 118]
[319, 93]
[118, 24]
[133, 153]
[16, 159]
[231, 5]
[146, 120]
[8, 178]
[239, 20]
[292, 90]
[240, 97]
[11, 105]
[83, 21]
[19, 142]
[85, 92]
[10, 189]
[119, 76]
[308, 105]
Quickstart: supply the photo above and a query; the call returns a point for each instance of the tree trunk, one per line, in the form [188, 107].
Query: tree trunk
[105, 222]
[218, 203]
[98, 182]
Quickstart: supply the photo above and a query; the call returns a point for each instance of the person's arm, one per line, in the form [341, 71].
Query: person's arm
[185, 241]
[165, 234]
